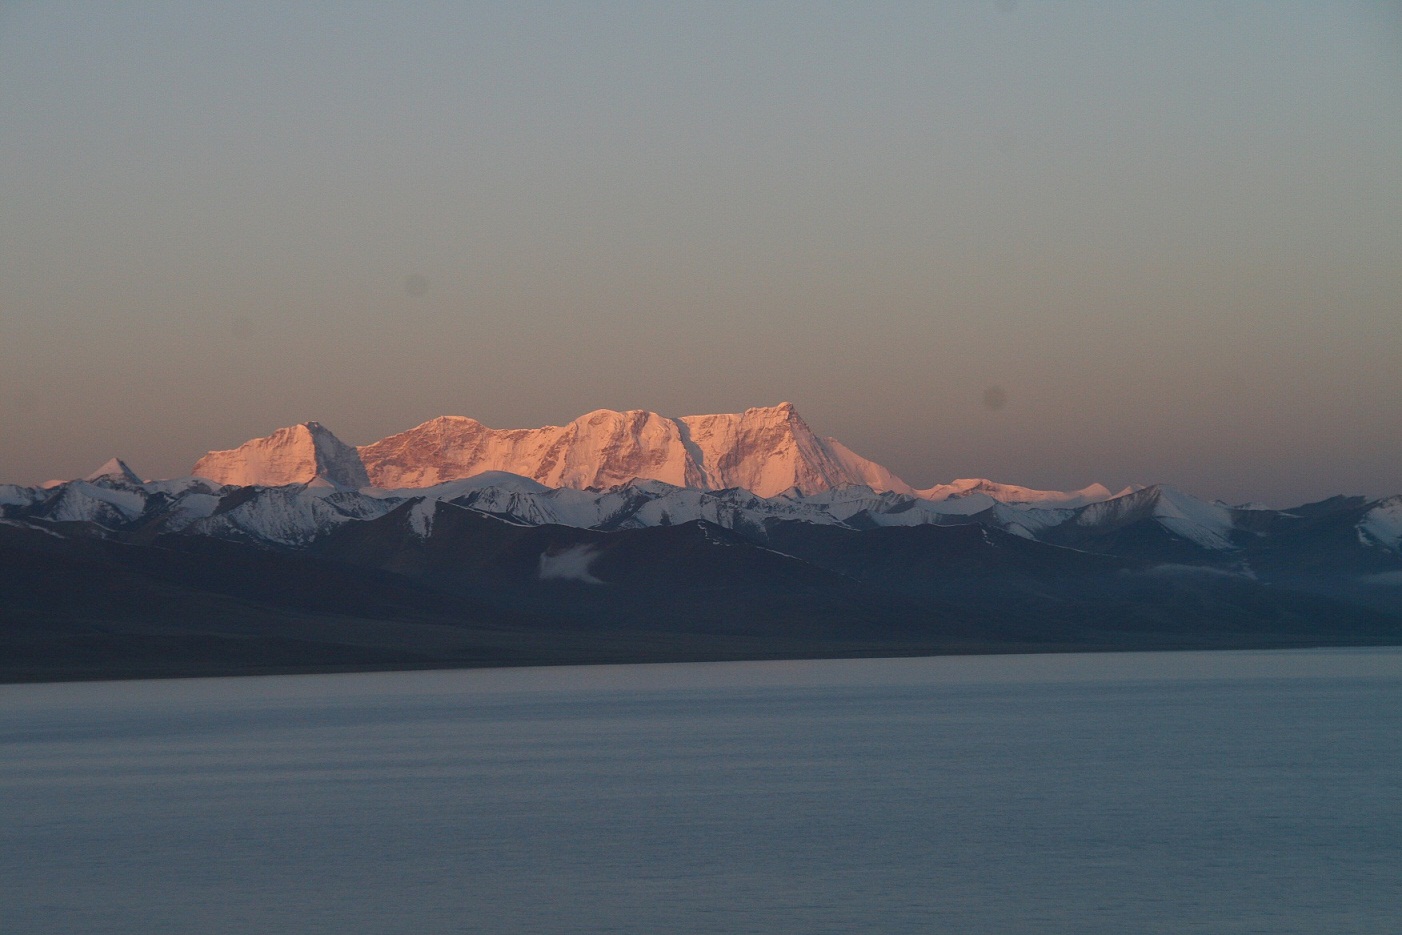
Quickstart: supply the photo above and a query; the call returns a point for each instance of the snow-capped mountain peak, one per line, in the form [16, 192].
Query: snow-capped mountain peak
[114, 469]
[768, 450]
[297, 454]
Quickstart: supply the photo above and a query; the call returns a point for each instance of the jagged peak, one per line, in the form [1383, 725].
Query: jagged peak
[448, 420]
[625, 415]
[311, 428]
[1013, 494]
[293, 454]
[438, 425]
[779, 413]
[783, 411]
[1142, 493]
[114, 469]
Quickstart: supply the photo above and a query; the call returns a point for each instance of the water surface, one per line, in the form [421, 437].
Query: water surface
[1168, 792]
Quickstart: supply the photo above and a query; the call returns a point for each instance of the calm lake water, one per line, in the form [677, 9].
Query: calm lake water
[1135, 793]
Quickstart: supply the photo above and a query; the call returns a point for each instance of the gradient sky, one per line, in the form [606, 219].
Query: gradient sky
[1167, 238]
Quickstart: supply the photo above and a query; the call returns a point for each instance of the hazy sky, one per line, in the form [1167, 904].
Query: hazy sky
[1166, 238]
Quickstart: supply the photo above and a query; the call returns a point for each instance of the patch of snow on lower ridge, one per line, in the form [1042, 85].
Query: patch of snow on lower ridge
[571, 564]
[421, 517]
[1383, 524]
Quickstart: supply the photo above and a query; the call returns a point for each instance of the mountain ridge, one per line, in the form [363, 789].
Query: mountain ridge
[114, 577]
[767, 450]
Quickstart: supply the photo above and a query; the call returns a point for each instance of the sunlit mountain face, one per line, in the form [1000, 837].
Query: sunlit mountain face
[765, 450]
[630, 535]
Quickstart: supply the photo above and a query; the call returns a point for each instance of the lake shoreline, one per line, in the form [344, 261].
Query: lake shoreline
[114, 673]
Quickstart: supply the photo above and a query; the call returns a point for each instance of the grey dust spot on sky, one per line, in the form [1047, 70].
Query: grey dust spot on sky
[241, 328]
[1005, 6]
[995, 398]
[416, 285]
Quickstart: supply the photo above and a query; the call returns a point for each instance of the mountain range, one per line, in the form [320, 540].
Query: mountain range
[765, 450]
[630, 536]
